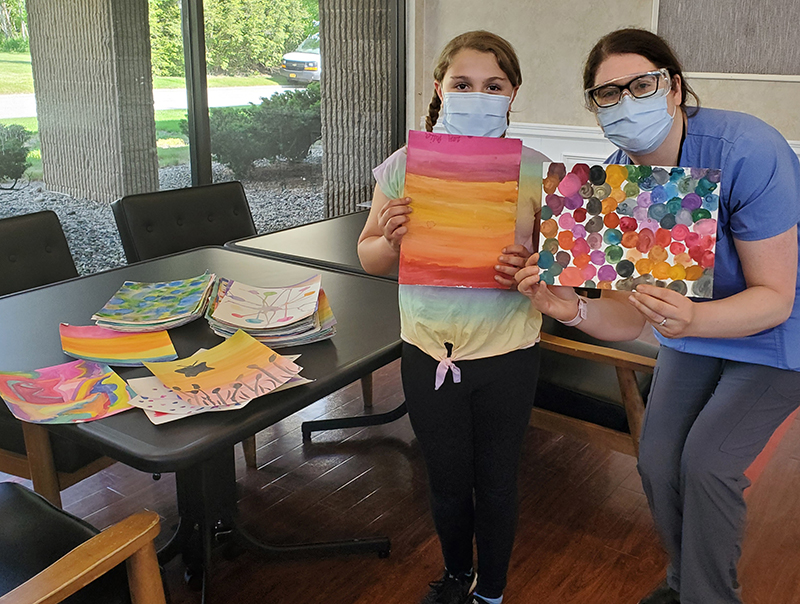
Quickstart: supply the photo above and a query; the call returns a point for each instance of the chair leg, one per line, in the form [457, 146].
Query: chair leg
[144, 576]
[634, 405]
[366, 390]
[249, 446]
[41, 463]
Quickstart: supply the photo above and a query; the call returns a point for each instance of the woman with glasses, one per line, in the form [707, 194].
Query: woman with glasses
[728, 371]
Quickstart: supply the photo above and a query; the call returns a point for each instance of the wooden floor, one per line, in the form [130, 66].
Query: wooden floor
[585, 534]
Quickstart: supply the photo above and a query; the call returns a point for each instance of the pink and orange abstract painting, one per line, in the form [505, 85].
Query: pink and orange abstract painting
[463, 192]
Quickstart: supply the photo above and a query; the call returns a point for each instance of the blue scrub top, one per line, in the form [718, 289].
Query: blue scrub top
[759, 199]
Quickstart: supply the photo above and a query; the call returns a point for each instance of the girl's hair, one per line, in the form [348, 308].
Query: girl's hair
[482, 41]
[638, 42]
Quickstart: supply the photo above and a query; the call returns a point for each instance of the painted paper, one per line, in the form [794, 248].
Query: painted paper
[239, 369]
[319, 325]
[112, 347]
[73, 392]
[250, 307]
[155, 306]
[463, 192]
[616, 226]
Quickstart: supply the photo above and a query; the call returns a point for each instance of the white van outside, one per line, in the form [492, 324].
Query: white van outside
[304, 63]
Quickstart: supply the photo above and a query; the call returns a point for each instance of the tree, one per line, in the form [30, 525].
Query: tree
[166, 37]
[246, 36]
[13, 152]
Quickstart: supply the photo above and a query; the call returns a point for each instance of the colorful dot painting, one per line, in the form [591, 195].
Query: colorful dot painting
[615, 227]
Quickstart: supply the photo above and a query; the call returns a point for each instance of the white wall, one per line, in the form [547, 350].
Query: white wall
[552, 40]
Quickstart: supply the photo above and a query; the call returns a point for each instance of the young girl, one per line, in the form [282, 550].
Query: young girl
[728, 371]
[469, 362]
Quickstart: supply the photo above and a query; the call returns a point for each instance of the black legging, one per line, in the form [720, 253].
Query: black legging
[471, 438]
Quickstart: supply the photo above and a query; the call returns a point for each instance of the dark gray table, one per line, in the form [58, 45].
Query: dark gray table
[328, 244]
[200, 449]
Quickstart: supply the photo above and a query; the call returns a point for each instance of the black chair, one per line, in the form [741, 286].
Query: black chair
[156, 224]
[34, 252]
[47, 555]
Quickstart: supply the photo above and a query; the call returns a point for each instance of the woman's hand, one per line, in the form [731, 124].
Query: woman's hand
[556, 301]
[668, 311]
[511, 261]
[392, 221]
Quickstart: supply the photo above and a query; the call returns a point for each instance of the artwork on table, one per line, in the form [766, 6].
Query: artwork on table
[239, 369]
[162, 405]
[155, 306]
[309, 323]
[73, 392]
[463, 192]
[112, 347]
[250, 307]
[618, 226]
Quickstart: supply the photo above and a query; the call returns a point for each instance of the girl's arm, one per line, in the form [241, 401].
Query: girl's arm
[770, 271]
[379, 243]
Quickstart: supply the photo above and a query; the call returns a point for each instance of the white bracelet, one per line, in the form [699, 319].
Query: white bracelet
[580, 316]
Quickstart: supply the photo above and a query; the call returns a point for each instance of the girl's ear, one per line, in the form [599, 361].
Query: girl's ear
[438, 87]
[513, 96]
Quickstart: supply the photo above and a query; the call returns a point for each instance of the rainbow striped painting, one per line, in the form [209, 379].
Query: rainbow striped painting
[115, 347]
[463, 192]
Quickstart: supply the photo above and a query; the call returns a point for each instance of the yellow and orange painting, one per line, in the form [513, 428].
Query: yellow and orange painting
[463, 192]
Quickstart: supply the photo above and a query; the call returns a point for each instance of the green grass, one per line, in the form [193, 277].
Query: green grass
[15, 73]
[16, 77]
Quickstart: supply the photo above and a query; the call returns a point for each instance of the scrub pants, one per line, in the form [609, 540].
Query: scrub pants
[471, 437]
[706, 421]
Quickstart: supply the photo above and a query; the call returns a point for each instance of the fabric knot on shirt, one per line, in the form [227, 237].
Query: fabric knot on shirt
[444, 366]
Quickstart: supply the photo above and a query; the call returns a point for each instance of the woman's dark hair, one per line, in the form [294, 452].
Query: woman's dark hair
[482, 41]
[637, 42]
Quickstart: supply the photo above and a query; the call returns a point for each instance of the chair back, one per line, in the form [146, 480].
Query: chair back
[164, 222]
[33, 252]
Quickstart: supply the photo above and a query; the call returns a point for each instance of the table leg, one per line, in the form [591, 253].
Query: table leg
[357, 421]
[207, 507]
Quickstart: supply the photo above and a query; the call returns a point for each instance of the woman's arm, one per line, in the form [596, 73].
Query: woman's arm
[770, 271]
[379, 243]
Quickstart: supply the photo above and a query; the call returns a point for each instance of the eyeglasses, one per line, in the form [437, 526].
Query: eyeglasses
[640, 87]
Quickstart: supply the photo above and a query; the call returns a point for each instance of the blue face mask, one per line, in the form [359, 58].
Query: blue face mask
[637, 126]
[473, 114]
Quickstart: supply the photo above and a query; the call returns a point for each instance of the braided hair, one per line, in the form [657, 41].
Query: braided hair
[482, 41]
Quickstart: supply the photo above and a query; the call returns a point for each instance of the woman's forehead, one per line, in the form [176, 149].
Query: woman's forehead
[619, 66]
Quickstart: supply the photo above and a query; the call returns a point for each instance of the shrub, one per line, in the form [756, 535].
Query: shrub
[17, 44]
[13, 152]
[283, 126]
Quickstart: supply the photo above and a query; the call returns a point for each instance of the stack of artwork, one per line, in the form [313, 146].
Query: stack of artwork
[464, 193]
[73, 392]
[277, 316]
[618, 226]
[145, 307]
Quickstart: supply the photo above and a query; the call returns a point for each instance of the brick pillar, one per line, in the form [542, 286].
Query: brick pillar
[94, 96]
[355, 45]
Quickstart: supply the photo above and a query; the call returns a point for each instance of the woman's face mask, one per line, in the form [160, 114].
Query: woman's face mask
[637, 126]
[473, 114]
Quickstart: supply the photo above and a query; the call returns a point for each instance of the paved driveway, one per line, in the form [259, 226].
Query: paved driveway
[24, 105]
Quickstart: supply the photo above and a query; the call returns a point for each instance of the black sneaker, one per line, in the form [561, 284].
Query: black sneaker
[476, 600]
[451, 589]
[663, 594]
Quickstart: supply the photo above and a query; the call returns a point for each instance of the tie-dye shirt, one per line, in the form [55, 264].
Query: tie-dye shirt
[478, 322]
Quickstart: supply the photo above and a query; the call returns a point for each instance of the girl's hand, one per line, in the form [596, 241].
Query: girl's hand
[511, 261]
[668, 311]
[556, 301]
[392, 221]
